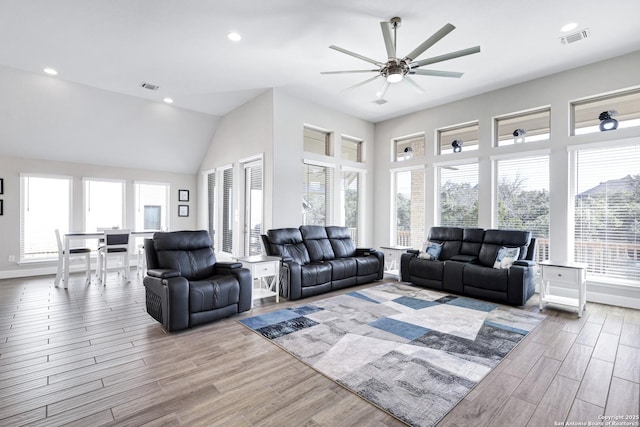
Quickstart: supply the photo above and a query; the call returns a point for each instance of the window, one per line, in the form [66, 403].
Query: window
[317, 141]
[227, 210]
[523, 127]
[522, 198]
[408, 148]
[317, 195]
[104, 204]
[458, 202]
[211, 198]
[253, 207]
[152, 203]
[607, 212]
[352, 149]
[585, 114]
[352, 192]
[408, 227]
[45, 206]
[468, 134]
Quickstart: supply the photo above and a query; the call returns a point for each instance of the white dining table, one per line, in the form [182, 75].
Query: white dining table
[87, 235]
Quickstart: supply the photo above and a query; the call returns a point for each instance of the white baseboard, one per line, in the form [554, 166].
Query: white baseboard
[604, 293]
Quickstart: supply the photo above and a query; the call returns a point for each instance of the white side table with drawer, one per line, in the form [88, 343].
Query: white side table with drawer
[267, 270]
[392, 255]
[566, 273]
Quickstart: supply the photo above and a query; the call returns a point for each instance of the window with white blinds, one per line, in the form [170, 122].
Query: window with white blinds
[46, 206]
[317, 194]
[408, 227]
[152, 204]
[352, 193]
[104, 204]
[211, 212]
[253, 207]
[227, 210]
[317, 141]
[458, 201]
[607, 211]
[522, 197]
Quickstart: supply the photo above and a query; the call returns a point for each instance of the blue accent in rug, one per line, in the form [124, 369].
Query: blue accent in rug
[364, 297]
[413, 352]
[402, 329]
[414, 303]
[473, 304]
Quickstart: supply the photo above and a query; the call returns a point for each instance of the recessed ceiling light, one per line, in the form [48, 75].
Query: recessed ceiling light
[168, 100]
[234, 37]
[568, 27]
[50, 71]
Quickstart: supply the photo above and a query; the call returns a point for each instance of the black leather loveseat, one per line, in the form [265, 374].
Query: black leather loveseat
[185, 286]
[321, 259]
[466, 264]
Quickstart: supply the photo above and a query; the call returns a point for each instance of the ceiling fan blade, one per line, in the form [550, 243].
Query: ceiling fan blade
[383, 91]
[429, 42]
[413, 84]
[356, 55]
[362, 83]
[436, 73]
[349, 71]
[446, 57]
[388, 40]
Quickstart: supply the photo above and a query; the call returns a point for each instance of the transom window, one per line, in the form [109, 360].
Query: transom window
[352, 149]
[317, 141]
[465, 136]
[411, 147]
[523, 127]
[623, 109]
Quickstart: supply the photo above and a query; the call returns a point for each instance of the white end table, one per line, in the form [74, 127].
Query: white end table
[567, 273]
[267, 270]
[392, 255]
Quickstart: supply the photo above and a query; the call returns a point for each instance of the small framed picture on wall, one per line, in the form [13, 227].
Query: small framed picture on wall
[1, 185]
[183, 210]
[183, 195]
[1, 207]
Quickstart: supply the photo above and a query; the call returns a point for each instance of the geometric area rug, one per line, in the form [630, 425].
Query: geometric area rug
[413, 352]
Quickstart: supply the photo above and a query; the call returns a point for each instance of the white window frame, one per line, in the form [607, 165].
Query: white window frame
[24, 194]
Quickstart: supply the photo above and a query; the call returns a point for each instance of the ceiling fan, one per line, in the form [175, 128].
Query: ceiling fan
[396, 69]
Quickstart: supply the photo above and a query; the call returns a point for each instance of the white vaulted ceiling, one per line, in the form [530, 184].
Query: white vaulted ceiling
[182, 46]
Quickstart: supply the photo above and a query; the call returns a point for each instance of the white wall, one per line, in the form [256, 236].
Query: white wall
[244, 133]
[556, 91]
[12, 167]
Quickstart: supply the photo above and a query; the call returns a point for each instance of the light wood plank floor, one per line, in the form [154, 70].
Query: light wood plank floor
[89, 355]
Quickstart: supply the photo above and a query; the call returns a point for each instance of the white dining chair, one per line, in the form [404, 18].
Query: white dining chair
[116, 245]
[74, 254]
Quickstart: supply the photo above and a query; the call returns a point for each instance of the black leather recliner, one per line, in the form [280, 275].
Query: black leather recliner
[185, 286]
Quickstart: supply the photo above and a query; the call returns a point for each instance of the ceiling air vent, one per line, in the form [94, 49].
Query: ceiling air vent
[574, 37]
[379, 101]
[149, 86]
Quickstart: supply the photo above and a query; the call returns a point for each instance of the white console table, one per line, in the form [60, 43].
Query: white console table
[566, 273]
[392, 255]
[267, 270]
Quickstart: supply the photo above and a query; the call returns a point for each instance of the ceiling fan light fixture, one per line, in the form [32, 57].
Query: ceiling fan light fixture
[395, 77]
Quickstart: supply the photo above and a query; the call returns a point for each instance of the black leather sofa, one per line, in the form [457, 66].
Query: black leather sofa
[465, 264]
[320, 259]
[185, 286]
